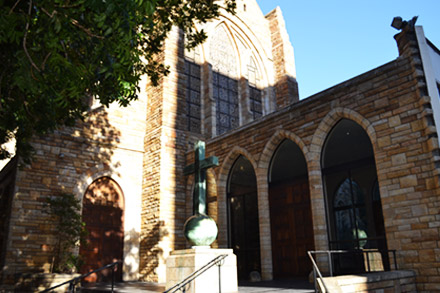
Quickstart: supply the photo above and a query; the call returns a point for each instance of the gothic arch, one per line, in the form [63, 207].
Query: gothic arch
[132, 220]
[331, 119]
[244, 31]
[223, 28]
[103, 212]
[273, 143]
[351, 192]
[263, 194]
[239, 32]
[222, 184]
[313, 158]
[263, 208]
[86, 179]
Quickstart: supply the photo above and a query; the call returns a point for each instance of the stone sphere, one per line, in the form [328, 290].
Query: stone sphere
[200, 230]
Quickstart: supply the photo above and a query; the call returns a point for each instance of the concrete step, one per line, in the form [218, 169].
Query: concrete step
[285, 286]
[123, 287]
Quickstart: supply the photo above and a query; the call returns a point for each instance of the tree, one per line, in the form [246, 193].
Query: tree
[70, 232]
[54, 54]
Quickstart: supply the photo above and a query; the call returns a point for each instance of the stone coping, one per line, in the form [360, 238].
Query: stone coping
[202, 250]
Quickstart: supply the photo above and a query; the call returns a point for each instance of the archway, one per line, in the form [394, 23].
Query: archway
[244, 235]
[103, 214]
[290, 212]
[354, 209]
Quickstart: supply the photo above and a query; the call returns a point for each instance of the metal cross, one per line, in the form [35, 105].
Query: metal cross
[199, 169]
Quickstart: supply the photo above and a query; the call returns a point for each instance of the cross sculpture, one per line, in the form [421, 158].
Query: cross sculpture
[199, 170]
[199, 229]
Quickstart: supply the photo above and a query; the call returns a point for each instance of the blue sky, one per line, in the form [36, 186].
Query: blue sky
[335, 40]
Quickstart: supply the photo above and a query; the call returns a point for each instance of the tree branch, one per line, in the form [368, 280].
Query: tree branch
[45, 60]
[13, 7]
[86, 30]
[48, 14]
[24, 39]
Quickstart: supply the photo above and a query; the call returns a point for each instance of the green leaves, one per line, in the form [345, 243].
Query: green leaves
[70, 231]
[54, 53]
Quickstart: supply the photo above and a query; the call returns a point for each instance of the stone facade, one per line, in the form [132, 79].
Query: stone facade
[108, 143]
[243, 101]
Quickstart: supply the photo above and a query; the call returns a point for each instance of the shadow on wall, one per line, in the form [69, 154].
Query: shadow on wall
[62, 159]
[131, 255]
[151, 253]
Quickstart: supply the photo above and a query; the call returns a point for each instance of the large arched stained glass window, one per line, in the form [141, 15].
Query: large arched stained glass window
[354, 210]
[224, 63]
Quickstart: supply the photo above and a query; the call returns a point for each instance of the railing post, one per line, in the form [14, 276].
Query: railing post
[368, 261]
[315, 280]
[219, 277]
[113, 278]
[71, 287]
[330, 262]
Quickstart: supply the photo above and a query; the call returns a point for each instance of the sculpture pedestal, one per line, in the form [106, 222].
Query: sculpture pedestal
[182, 263]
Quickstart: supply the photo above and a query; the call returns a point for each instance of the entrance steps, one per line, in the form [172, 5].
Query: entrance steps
[287, 286]
[124, 287]
[393, 281]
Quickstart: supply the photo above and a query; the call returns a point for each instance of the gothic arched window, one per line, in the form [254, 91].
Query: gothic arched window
[193, 104]
[224, 80]
[349, 212]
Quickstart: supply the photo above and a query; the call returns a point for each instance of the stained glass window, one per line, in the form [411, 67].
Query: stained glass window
[225, 92]
[224, 80]
[350, 213]
[192, 96]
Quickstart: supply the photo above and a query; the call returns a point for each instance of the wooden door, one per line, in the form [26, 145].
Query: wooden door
[103, 215]
[291, 228]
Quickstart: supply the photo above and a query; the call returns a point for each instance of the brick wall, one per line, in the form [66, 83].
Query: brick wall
[387, 103]
[107, 143]
[284, 62]
[166, 199]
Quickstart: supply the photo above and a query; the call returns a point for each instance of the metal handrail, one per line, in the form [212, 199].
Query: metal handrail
[330, 252]
[315, 271]
[73, 282]
[182, 284]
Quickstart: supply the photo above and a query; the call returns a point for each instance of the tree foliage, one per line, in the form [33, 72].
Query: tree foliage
[54, 54]
[70, 232]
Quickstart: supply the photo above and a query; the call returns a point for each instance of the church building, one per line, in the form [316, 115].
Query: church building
[353, 167]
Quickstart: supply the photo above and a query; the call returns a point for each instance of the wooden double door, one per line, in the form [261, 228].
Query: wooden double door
[291, 228]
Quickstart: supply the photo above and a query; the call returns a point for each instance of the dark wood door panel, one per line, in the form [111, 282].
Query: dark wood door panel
[292, 229]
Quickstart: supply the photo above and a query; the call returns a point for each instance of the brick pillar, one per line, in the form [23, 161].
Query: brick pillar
[245, 112]
[286, 86]
[209, 110]
[163, 191]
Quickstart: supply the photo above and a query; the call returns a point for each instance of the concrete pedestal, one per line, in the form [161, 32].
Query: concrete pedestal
[182, 263]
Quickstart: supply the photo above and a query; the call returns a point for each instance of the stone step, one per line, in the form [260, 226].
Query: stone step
[287, 286]
[123, 287]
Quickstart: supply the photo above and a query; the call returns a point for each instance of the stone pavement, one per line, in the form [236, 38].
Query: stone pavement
[288, 286]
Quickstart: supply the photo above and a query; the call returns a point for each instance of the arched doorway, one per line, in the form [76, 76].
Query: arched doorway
[290, 212]
[103, 213]
[354, 209]
[244, 235]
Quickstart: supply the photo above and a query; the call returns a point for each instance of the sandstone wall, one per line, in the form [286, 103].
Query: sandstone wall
[388, 103]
